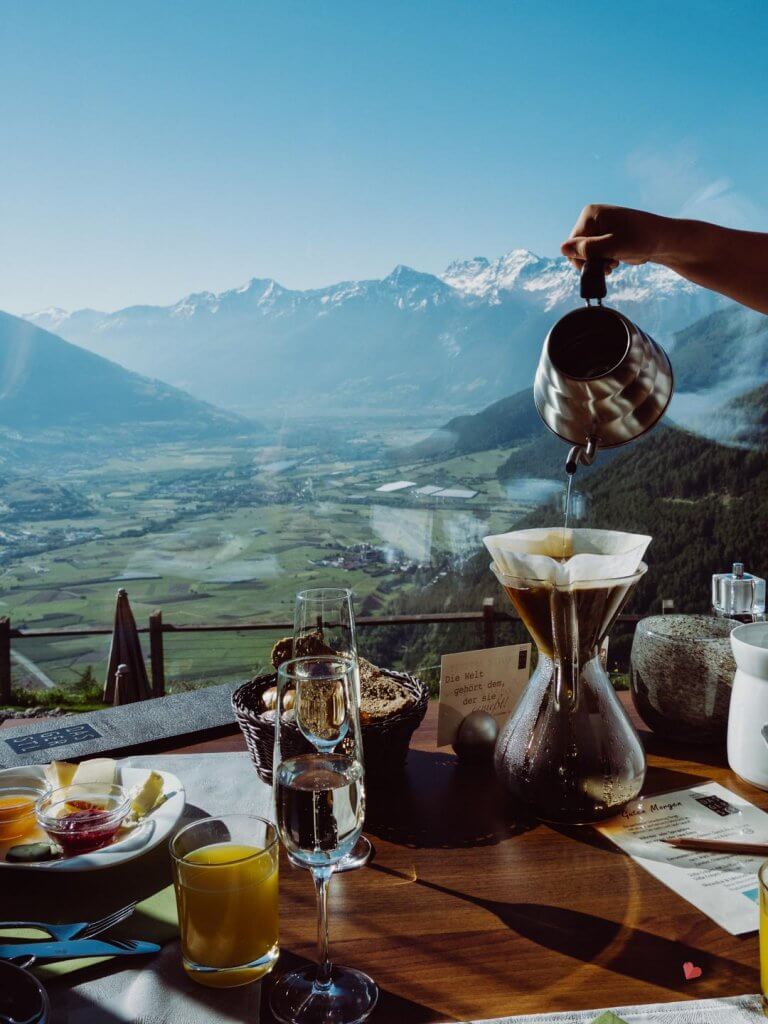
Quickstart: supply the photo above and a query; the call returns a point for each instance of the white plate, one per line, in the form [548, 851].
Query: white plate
[153, 830]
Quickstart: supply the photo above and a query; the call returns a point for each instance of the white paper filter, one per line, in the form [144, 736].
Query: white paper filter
[593, 554]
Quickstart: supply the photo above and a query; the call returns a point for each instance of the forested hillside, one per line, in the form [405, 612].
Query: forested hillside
[728, 344]
[511, 423]
[704, 504]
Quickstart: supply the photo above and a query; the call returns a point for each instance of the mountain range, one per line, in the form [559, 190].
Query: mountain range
[411, 340]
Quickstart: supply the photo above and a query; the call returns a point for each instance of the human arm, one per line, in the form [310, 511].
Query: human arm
[732, 262]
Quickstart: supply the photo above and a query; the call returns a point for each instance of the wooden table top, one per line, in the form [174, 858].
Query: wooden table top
[466, 913]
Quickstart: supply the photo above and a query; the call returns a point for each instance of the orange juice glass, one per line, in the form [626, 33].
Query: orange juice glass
[763, 876]
[225, 873]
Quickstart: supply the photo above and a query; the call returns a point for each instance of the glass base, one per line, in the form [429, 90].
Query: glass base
[349, 997]
[358, 857]
[232, 977]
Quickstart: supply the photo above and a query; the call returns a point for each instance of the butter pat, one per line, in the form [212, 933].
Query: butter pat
[99, 771]
[145, 796]
[59, 773]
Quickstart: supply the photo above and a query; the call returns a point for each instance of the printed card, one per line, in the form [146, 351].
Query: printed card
[488, 680]
[723, 886]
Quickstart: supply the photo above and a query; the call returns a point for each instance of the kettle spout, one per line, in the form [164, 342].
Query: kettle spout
[581, 455]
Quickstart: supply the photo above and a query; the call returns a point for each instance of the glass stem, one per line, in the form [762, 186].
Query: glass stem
[322, 878]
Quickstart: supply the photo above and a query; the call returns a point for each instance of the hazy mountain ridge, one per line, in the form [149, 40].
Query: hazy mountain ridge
[470, 335]
[53, 391]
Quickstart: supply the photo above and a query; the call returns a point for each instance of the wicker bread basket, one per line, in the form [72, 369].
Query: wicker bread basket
[385, 740]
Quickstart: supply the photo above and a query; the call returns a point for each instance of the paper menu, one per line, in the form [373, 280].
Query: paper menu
[723, 886]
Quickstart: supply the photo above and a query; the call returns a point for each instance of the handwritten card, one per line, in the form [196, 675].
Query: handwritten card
[489, 680]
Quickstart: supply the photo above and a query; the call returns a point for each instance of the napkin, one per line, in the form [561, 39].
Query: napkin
[588, 555]
[154, 920]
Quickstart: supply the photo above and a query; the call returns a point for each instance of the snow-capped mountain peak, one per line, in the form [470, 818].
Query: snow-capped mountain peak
[485, 279]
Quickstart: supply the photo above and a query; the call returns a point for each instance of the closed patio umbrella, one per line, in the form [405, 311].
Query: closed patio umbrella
[125, 653]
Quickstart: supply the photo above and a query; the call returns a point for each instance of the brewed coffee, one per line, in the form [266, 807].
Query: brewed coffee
[569, 751]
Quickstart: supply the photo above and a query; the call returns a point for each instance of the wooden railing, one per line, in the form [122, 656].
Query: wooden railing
[487, 618]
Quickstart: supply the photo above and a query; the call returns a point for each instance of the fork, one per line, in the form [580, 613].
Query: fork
[79, 930]
[126, 944]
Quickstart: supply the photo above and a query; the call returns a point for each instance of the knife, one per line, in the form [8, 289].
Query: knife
[75, 948]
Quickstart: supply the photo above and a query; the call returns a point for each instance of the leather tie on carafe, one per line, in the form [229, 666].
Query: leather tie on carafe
[565, 642]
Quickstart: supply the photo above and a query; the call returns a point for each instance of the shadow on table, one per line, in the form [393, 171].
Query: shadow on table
[439, 804]
[658, 781]
[389, 1008]
[641, 955]
[713, 755]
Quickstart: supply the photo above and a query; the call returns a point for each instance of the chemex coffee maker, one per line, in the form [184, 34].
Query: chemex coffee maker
[601, 381]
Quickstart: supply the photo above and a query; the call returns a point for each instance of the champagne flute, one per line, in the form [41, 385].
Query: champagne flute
[324, 623]
[320, 806]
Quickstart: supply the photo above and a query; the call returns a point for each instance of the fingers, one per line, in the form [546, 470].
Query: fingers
[581, 248]
[585, 247]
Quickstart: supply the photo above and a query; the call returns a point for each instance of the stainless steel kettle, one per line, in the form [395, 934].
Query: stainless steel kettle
[601, 381]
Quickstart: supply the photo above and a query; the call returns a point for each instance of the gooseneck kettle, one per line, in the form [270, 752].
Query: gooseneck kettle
[601, 381]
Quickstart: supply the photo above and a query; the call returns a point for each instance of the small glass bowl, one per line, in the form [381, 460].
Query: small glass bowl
[83, 818]
[17, 809]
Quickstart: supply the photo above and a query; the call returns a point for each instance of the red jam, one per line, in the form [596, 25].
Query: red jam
[85, 828]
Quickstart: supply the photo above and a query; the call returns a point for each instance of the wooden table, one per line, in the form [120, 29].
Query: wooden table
[466, 913]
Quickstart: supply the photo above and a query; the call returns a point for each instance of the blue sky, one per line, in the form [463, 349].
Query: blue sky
[158, 148]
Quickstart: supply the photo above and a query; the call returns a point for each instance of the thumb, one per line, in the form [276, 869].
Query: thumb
[584, 247]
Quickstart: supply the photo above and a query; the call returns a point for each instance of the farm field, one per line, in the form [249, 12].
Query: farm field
[228, 535]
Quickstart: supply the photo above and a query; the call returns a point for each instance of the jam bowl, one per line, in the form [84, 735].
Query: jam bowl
[83, 818]
[17, 808]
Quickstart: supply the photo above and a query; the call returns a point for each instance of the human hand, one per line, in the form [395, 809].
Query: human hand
[615, 234]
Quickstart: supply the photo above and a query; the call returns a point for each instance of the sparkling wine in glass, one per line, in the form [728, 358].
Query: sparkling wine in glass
[324, 623]
[320, 808]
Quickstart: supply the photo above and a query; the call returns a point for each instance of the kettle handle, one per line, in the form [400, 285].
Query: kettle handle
[593, 279]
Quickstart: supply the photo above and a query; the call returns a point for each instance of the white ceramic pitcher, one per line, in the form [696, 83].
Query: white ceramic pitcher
[748, 715]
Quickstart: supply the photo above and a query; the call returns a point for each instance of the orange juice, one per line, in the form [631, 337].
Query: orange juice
[226, 895]
[17, 815]
[763, 877]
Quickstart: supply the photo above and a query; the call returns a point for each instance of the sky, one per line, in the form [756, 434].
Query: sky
[153, 149]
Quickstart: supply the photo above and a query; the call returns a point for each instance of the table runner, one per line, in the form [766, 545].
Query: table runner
[736, 1010]
[156, 990]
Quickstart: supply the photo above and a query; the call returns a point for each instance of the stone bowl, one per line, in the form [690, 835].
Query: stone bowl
[681, 673]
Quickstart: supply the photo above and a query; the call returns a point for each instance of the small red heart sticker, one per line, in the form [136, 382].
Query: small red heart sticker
[690, 971]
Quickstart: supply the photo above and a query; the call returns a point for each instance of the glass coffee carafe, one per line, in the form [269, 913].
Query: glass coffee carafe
[569, 752]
